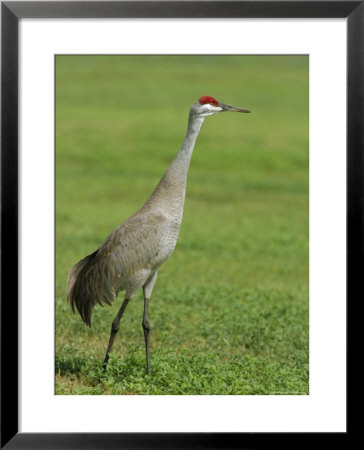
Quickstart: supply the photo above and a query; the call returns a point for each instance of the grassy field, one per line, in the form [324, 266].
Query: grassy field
[229, 311]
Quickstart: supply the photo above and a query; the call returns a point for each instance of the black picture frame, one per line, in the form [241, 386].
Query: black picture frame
[11, 12]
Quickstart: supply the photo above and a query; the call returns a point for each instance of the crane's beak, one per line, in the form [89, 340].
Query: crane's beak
[232, 108]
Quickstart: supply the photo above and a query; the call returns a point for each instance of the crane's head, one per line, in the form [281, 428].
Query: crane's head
[207, 106]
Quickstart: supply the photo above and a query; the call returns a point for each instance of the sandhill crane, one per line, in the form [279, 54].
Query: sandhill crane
[131, 255]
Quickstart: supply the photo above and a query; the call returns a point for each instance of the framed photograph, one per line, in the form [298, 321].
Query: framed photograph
[106, 107]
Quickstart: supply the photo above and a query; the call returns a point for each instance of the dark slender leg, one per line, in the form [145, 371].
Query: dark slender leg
[114, 329]
[146, 329]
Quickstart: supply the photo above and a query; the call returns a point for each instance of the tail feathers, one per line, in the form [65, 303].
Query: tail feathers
[87, 286]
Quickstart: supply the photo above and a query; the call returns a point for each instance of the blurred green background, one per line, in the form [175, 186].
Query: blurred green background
[229, 311]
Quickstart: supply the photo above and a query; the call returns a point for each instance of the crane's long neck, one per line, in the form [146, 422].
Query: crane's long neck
[179, 166]
[171, 189]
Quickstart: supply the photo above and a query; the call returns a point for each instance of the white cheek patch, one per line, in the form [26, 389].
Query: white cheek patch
[210, 109]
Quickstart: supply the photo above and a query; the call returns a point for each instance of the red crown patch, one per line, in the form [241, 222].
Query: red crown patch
[207, 99]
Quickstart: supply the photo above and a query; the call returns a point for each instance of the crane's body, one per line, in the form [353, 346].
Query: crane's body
[129, 258]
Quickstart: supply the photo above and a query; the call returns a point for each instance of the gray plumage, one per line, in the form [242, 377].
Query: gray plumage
[131, 255]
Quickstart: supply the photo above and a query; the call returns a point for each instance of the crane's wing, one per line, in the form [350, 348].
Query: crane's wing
[98, 278]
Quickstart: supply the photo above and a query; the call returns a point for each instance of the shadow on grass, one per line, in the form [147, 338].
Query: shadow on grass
[89, 366]
[69, 364]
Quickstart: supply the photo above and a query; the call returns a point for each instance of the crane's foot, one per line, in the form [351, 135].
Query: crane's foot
[104, 365]
[146, 329]
[114, 330]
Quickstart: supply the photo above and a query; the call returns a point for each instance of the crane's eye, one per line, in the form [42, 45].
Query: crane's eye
[213, 103]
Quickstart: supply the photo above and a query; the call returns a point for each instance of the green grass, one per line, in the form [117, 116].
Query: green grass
[229, 311]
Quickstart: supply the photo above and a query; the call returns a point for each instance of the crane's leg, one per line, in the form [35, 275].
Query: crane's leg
[114, 329]
[146, 329]
[147, 290]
